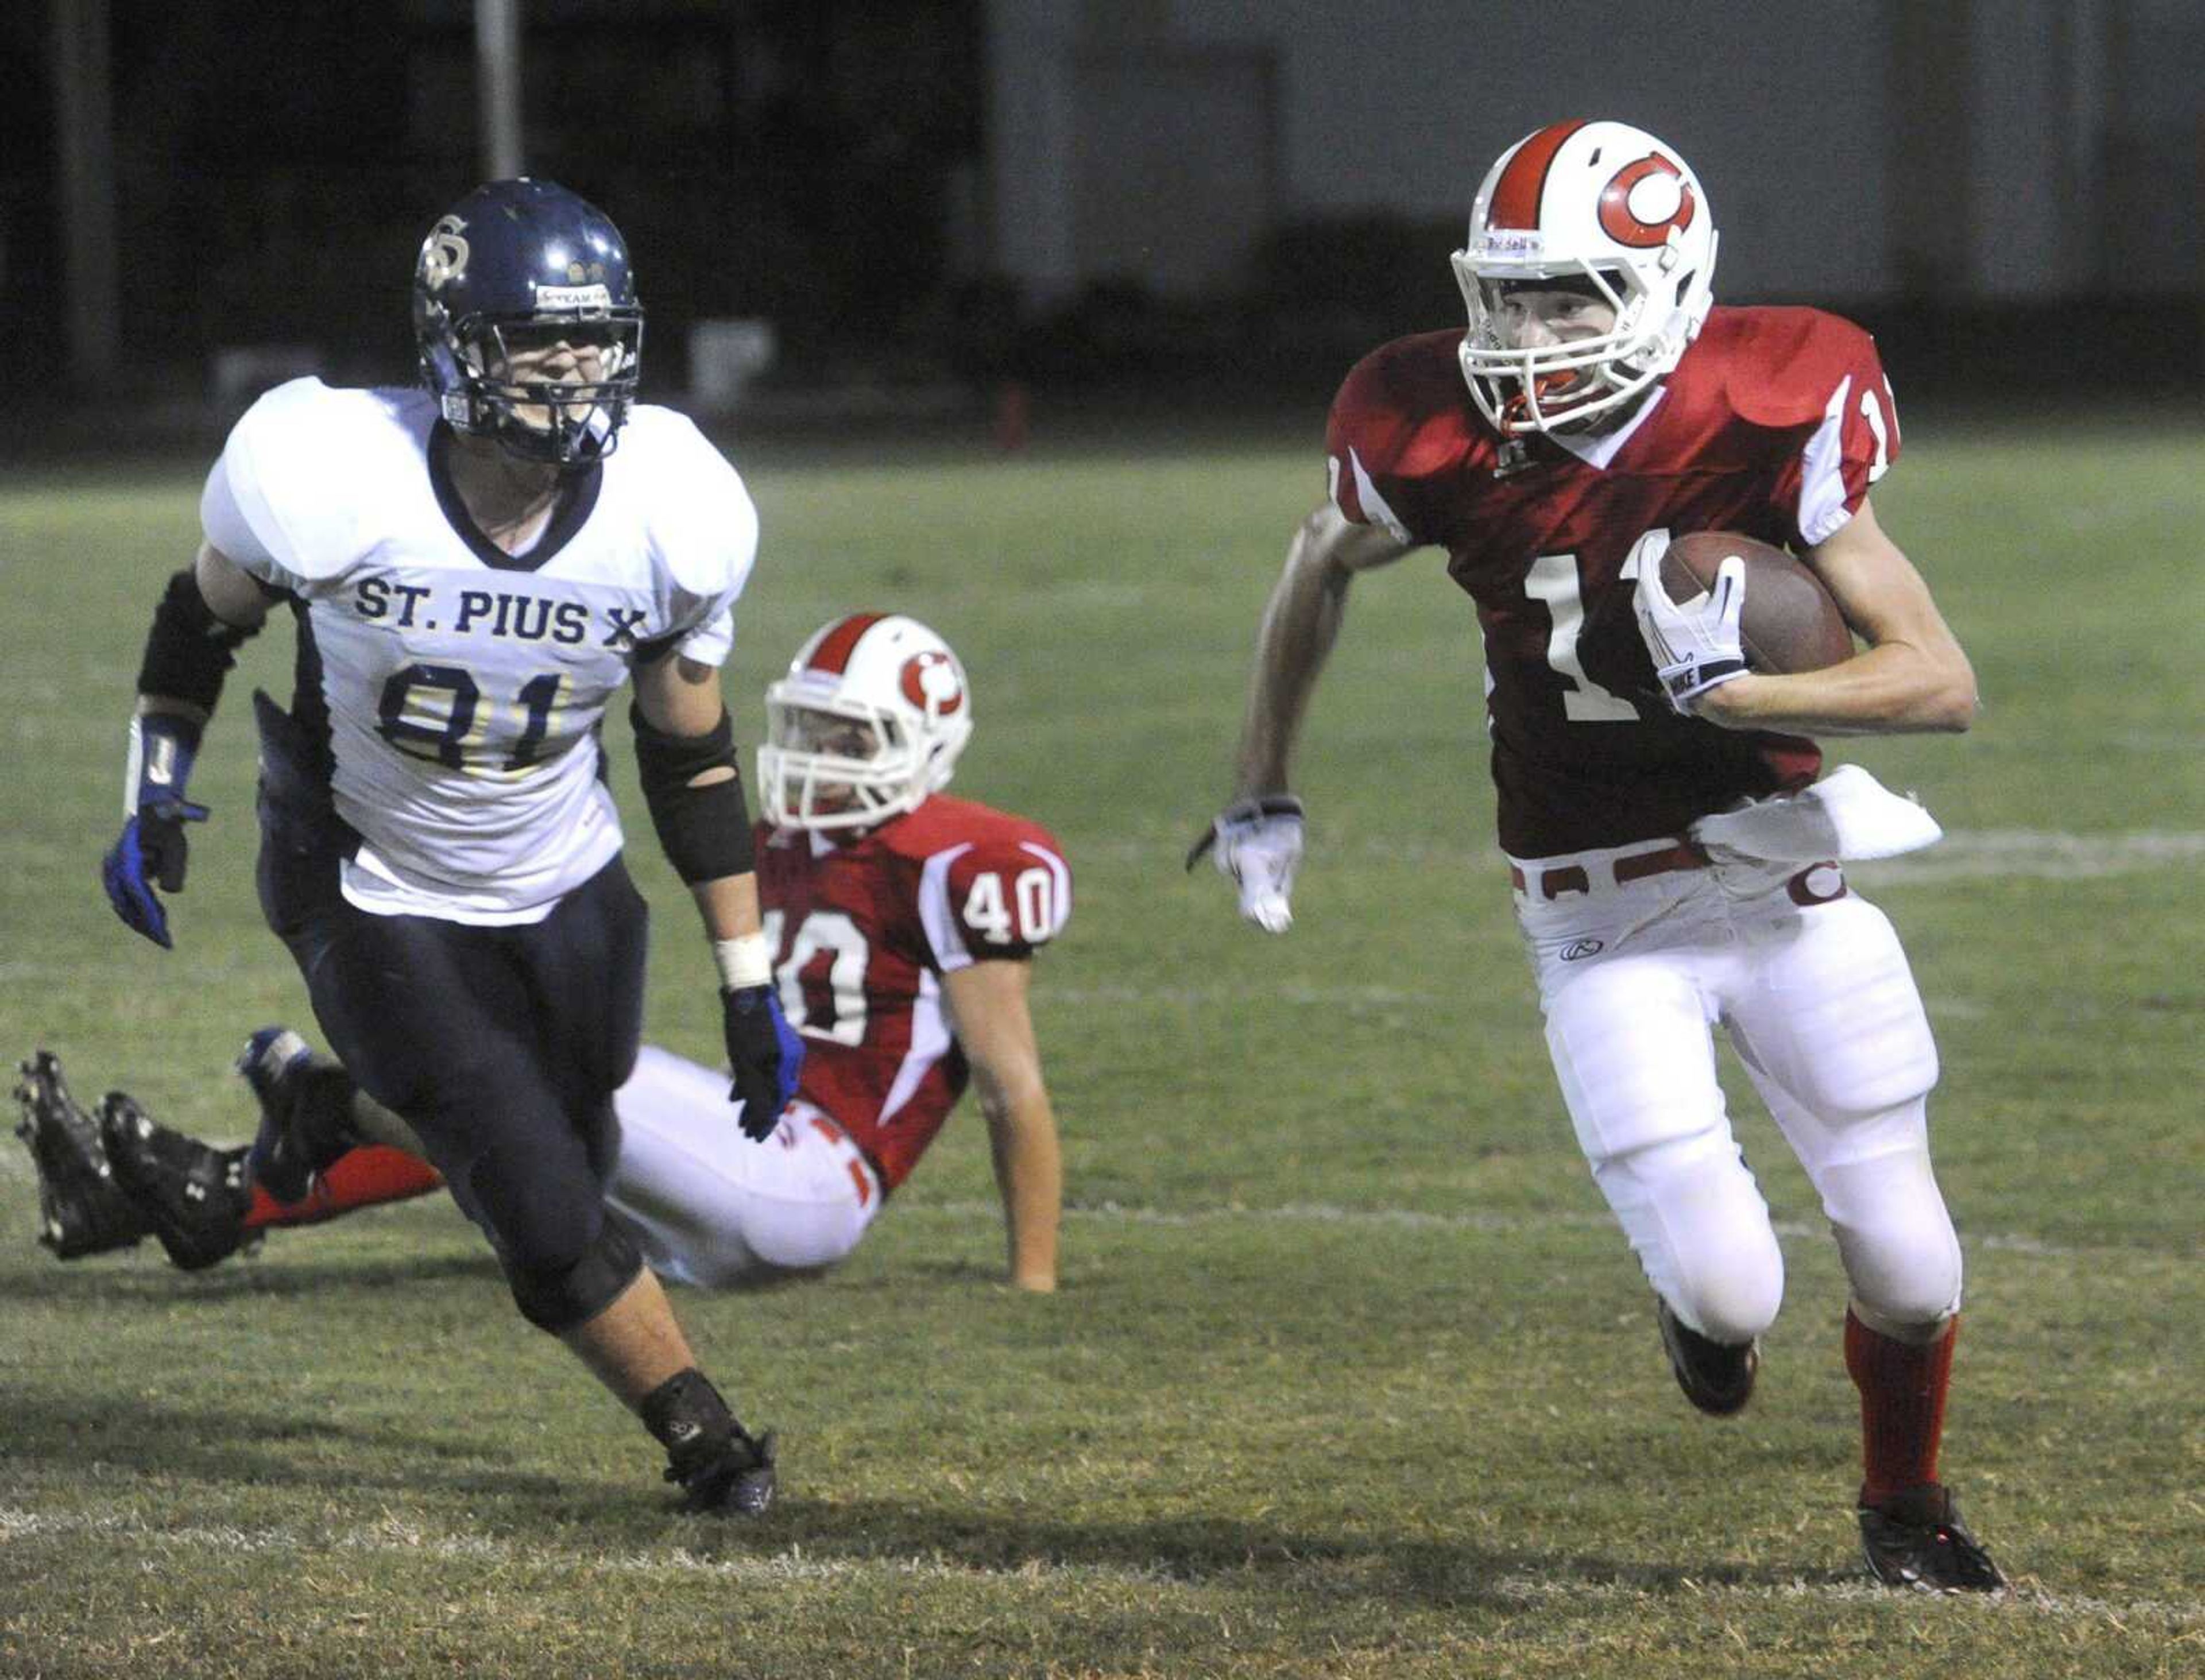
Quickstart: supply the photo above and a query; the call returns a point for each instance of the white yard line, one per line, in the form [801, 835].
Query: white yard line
[2026, 1599]
[2036, 854]
[394, 1538]
[16, 1166]
[1298, 994]
[1409, 1219]
[2039, 854]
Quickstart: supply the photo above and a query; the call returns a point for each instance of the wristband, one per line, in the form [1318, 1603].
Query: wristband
[162, 745]
[745, 960]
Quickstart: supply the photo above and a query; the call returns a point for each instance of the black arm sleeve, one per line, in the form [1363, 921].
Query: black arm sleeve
[189, 650]
[705, 831]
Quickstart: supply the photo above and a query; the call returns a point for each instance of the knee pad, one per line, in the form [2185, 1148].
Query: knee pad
[1701, 1231]
[561, 1299]
[1896, 1237]
[1738, 1300]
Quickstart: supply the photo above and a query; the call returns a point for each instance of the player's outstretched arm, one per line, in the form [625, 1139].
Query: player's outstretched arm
[1301, 622]
[1913, 677]
[203, 617]
[685, 755]
[988, 1001]
[1258, 838]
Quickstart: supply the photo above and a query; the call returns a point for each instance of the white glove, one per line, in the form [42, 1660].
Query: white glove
[1259, 844]
[1694, 647]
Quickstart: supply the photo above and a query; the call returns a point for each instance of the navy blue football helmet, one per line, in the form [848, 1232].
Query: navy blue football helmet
[527, 320]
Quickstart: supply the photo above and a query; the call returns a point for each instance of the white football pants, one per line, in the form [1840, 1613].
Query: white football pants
[708, 1206]
[1816, 996]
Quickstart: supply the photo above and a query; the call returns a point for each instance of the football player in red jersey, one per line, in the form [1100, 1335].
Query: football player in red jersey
[1675, 857]
[902, 923]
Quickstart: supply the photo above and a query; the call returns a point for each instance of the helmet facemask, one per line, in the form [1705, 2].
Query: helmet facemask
[832, 760]
[1575, 383]
[1604, 209]
[550, 389]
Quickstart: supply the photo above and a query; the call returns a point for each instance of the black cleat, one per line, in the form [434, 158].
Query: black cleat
[1916, 1542]
[195, 1197]
[1717, 1377]
[720, 1465]
[81, 1208]
[305, 1122]
[732, 1472]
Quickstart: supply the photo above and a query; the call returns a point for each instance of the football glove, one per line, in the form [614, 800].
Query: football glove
[766, 1054]
[1694, 647]
[151, 850]
[1258, 843]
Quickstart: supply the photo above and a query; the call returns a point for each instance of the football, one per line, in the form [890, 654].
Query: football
[1789, 621]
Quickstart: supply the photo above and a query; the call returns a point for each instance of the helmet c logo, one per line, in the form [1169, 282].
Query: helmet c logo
[930, 682]
[443, 254]
[1644, 200]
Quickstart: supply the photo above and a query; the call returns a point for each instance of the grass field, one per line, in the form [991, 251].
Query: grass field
[1350, 1374]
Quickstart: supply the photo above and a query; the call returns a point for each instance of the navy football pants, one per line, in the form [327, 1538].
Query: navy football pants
[500, 1046]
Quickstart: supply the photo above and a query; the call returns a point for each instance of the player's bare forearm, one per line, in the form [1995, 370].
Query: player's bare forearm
[1914, 677]
[1889, 690]
[1301, 622]
[729, 906]
[988, 1004]
[1030, 1175]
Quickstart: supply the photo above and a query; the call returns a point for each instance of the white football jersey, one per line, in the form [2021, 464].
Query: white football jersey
[463, 686]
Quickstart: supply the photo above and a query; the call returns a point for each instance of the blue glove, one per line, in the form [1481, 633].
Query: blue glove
[766, 1053]
[151, 850]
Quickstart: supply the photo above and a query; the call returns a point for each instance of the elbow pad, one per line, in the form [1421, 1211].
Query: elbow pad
[705, 831]
[189, 650]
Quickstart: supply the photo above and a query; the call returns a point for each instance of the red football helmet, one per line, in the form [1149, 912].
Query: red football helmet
[1604, 209]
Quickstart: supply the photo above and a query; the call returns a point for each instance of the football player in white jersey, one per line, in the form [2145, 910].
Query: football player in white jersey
[474, 568]
[903, 922]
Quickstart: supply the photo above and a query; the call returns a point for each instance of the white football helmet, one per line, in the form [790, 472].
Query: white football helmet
[866, 725]
[1578, 204]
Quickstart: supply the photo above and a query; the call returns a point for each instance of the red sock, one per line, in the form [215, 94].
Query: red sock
[1902, 1388]
[359, 1178]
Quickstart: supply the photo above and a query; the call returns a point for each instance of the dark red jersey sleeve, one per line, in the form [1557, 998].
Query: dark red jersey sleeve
[1822, 382]
[1400, 429]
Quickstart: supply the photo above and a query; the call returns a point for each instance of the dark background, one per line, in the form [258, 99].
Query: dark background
[276, 168]
[818, 165]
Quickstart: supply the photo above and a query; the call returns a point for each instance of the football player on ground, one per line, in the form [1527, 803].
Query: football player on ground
[1675, 861]
[902, 921]
[474, 568]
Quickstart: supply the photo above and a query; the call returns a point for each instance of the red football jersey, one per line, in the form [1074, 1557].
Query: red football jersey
[863, 930]
[1774, 425]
